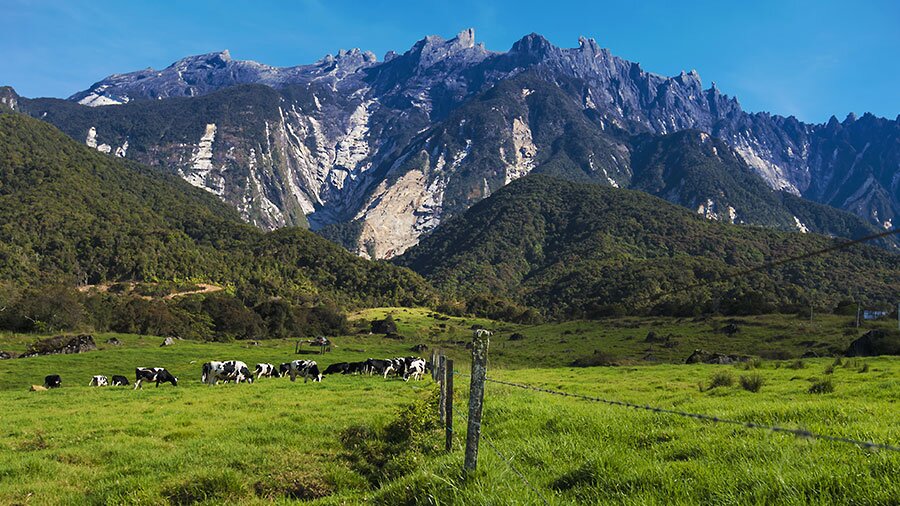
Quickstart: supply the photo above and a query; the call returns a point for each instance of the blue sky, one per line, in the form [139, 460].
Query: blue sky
[811, 59]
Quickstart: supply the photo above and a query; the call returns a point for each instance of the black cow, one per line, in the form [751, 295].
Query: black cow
[52, 381]
[377, 366]
[338, 368]
[119, 381]
[153, 374]
[356, 368]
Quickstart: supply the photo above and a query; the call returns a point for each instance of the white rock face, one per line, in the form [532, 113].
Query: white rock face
[122, 150]
[202, 173]
[91, 139]
[774, 175]
[389, 219]
[525, 151]
[97, 98]
[800, 226]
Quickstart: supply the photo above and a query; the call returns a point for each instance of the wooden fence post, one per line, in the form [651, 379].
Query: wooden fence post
[476, 398]
[442, 382]
[433, 365]
[448, 410]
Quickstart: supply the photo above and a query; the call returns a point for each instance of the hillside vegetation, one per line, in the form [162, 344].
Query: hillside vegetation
[577, 250]
[70, 216]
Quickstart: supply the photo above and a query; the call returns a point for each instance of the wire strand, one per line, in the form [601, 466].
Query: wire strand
[698, 416]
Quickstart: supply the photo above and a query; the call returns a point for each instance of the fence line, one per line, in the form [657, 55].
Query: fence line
[698, 416]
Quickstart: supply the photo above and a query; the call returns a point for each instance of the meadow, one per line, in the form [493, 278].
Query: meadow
[280, 442]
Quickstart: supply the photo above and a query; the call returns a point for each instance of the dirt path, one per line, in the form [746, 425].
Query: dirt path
[204, 288]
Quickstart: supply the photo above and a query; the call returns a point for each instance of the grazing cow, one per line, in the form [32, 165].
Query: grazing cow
[230, 370]
[99, 381]
[284, 369]
[483, 333]
[415, 369]
[338, 368]
[355, 368]
[52, 381]
[267, 370]
[306, 368]
[119, 381]
[154, 375]
[377, 366]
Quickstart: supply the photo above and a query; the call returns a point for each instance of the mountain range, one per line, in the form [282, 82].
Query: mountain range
[376, 154]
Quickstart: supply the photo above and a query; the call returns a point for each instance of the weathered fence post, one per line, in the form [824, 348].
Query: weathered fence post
[448, 409]
[433, 365]
[442, 381]
[476, 398]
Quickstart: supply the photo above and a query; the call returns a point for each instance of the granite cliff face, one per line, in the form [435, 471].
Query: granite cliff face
[378, 153]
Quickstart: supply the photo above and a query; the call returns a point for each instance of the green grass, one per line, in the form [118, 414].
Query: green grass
[280, 441]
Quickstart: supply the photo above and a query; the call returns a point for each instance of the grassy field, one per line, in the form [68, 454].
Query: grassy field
[277, 441]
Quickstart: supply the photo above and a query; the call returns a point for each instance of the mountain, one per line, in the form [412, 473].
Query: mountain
[378, 153]
[70, 215]
[582, 250]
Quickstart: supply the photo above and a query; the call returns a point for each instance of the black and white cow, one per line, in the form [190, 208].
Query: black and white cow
[267, 370]
[154, 375]
[306, 368]
[415, 369]
[52, 381]
[338, 368]
[119, 381]
[230, 370]
[99, 381]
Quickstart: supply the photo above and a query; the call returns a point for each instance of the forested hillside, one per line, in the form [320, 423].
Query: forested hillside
[72, 216]
[582, 250]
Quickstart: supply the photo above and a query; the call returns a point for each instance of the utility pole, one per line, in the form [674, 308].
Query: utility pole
[858, 310]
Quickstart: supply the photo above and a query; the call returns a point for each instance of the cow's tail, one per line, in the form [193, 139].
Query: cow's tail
[207, 368]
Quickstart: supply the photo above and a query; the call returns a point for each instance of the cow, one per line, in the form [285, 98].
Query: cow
[284, 369]
[338, 368]
[153, 374]
[119, 381]
[52, 381]
[306, 368]
[415, 369]
[99, 381]
[267, 370]
[230, 370]
[377, 366]
[355, 368]
[396, 366]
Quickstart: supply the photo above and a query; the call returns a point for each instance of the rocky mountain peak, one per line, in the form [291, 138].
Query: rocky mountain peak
[534, 45]
[434, 49]
[9, 97]
[215, 60]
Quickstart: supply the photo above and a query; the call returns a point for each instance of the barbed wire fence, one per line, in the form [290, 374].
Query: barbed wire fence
[443, 372]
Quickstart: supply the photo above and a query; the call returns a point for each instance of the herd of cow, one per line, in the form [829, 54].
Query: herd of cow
[238, 372]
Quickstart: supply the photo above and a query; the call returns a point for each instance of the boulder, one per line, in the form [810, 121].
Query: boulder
[61, 345]
[705, 357]
[114, 341]
[169, 341]
[419, 348]
[875, 342]
[5, 355]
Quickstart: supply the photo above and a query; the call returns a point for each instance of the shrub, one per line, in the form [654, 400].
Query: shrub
[865, 367]
[838, 361]
[752, 382]
[753, 363]
[821, 386]
[829, 369]
[598, 359]
[797, 364]
[721, 379]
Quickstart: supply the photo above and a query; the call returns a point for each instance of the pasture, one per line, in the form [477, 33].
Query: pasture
[277, 441]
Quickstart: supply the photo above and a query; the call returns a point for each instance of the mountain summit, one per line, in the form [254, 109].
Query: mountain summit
[378, 153]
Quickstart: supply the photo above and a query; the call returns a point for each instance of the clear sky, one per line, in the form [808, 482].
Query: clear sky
[811, 59]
